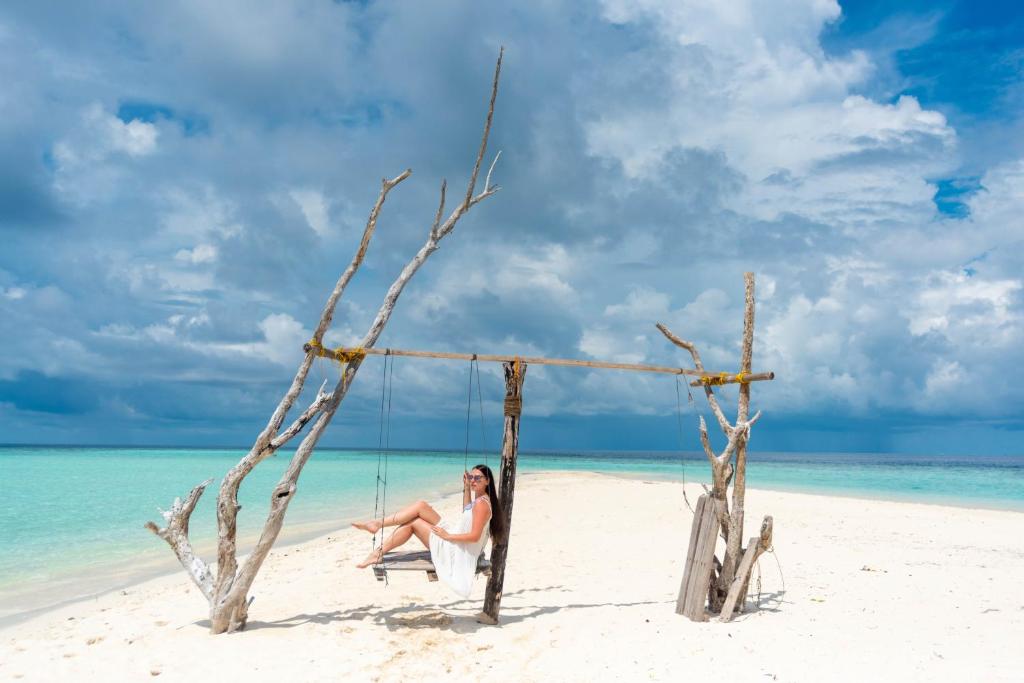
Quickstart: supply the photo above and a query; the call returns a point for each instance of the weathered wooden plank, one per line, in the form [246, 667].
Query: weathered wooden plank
[698, 514]
[739, 581]
[703, 559]
[700, 557]
[419, 561]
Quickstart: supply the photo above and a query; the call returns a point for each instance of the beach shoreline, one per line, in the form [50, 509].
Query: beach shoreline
[595, 562]
[306, 531]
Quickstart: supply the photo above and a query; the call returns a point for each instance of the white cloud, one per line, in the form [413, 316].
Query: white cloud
[752, 81]
[868, 299]
[963, 308]
[94, 157]
[315, 208]
[199, 214]
[641, 302]
[509, 272]
[201, 254]
[944, 379]
[103, 134]
[616, 345]
[283, 337]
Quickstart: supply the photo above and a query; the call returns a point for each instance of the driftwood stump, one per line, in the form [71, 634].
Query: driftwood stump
[723, 583]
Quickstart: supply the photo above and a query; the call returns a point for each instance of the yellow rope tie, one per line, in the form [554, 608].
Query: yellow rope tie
[343, 356]
[717, 380]
[740, 377]
[339, 354]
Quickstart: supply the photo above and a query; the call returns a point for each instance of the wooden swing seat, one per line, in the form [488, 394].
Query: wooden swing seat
[419, 560]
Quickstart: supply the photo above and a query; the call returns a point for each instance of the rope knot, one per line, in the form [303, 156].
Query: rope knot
[513, 406]
[345, 356]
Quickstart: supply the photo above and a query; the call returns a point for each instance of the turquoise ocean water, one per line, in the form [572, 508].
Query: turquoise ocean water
[71, 519]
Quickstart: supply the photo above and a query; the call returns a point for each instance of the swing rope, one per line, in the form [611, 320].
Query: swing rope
[469, 406]
[474, 366]
[679, 425]
[480, 403]
[383, 443]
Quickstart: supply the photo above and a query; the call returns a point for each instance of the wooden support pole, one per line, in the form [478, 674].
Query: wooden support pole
[515, 373]
[714, 378]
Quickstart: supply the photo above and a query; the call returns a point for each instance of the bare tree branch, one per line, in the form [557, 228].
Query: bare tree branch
[440, 210]
[229, 607]
[318, 403]
[699, 365]
[227, 500]
[739, 488]
[723, 471]
[176, 534]
[487, 180]
[487, 130]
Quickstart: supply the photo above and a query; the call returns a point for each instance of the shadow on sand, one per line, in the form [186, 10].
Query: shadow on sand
[453, 616]
[439, 615]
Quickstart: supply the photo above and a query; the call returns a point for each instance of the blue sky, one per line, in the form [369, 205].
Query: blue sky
[182, 182]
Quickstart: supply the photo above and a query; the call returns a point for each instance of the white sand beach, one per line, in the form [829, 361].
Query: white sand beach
[874, 590]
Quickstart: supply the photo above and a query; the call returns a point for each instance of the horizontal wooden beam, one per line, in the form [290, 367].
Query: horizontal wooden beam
[730, 378]
[342, 354]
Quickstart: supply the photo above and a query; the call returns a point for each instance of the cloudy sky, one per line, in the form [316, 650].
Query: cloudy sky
[182, 182]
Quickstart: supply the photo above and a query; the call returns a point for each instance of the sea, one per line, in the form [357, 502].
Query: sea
[72, 518]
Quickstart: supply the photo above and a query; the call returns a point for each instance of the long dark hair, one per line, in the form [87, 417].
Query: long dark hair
[497, 518]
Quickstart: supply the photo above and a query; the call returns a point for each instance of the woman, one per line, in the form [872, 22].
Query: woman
[454, 548]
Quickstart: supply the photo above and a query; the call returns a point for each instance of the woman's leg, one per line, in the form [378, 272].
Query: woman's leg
[421, 528]
[418, 510]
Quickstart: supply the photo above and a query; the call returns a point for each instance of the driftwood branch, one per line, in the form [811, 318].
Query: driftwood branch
[739, 487]
[315, 407]
[227, 500]
[697, 363]
[487, 180]
[741, 582]
[729, 578]
[440, 211]
[175, 533]
[227, 593]
[486, 135]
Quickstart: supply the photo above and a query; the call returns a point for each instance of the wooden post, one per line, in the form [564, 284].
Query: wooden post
[515, 373]
[741, 582]
[700, 556]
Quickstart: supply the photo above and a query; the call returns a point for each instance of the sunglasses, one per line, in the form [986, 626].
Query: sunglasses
[475, 477]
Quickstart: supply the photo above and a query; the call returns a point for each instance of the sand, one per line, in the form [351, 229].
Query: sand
[873, 590]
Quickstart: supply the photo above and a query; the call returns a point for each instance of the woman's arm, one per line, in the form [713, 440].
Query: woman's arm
[481, 515]
[465, 489]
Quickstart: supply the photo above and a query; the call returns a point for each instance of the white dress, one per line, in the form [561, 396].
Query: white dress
[455, 562]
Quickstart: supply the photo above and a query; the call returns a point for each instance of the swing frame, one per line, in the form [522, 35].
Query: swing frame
[419, 560]
[515, 373]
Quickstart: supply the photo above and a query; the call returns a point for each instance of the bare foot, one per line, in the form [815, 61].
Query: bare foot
[373, 526]
[372, 558]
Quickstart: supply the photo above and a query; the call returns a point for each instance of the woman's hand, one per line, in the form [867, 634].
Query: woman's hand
[465, 481]
[442, 533]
